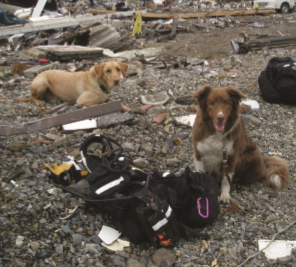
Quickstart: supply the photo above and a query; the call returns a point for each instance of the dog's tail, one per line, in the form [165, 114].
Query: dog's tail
[277, 175]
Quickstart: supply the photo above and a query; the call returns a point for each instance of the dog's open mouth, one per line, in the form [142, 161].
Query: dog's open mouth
[219, 126]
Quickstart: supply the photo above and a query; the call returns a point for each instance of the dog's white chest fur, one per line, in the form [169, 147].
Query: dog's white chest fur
[211, 151]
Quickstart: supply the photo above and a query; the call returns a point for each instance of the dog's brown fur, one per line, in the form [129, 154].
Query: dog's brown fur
[80, 87]
[218, 125]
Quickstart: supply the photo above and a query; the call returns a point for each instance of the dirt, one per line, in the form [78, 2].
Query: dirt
[214, 43]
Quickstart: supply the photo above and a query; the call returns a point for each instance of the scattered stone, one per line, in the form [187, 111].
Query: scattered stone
[134, 263]
[173, 162]
[271, 218]
[164, 257]
[284, 260]
[61, 141]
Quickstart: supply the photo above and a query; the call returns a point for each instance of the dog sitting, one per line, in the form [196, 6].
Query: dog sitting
[86, 88]
[218, 126]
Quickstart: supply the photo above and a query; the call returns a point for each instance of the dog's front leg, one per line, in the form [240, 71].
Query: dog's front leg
[199, 166]
[225, 189]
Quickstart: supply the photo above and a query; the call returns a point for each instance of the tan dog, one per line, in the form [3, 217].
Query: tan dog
[86, 88]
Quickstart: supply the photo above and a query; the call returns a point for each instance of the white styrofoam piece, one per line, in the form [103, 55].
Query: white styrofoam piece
[278, 249]
[38, 8]
[108, 235]
[186, 120]
[80, 125]
[254, 104]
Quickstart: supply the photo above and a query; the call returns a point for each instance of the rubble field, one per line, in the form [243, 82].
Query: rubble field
[33, 228]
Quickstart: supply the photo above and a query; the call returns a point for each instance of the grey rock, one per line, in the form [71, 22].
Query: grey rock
[172, 162]
[77, 239]
[130, 147]
[141, 163]
[271, 218]
[251, 120]
[66, 229]
[147, 149]
[164, 257]
[119, 261]
[134, 263]
[59, 249]
[284, 260]
[61, 141]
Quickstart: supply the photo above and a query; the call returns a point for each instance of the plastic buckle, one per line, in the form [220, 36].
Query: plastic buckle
[199, 208]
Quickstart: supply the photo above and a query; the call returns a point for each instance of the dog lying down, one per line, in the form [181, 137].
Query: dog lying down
[85, 88]
[218, 126]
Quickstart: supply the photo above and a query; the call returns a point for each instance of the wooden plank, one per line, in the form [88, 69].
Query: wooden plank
[208, 14]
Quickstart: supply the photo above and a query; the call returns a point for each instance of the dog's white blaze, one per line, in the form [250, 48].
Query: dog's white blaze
[276, 181]
[211, 151]
[220, 113]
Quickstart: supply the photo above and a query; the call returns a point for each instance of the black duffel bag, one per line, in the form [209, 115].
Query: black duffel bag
[277, 82]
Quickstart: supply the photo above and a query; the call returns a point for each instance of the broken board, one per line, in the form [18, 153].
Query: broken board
[207, 14]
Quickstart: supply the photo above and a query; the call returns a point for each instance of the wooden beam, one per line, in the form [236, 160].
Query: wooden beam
[208, 14]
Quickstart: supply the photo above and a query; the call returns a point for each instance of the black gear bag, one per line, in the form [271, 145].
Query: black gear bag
[277, 82]
[154, 207]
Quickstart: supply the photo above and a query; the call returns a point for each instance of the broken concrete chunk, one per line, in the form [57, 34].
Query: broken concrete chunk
[114, 119]
[63, 53]
[279, 250]
[147, 52]
[33, 72]
[186, 120]
[157, 99]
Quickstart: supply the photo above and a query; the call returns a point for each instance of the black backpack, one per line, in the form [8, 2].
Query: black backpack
[155, 207]
[277, 82]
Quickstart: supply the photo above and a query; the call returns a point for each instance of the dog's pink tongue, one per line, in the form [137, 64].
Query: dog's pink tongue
[220, 126]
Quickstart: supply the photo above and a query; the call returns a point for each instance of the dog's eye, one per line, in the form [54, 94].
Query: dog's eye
[118, 70]
[109, 71]
[211, 104]
[227, 103]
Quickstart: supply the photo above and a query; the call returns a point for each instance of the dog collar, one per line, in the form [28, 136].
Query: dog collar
[104, 89]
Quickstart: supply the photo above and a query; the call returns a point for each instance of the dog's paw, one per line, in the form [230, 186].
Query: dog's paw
[225, 198]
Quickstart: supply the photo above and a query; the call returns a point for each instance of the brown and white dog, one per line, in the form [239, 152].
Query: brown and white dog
[217, 126]
[86, 88]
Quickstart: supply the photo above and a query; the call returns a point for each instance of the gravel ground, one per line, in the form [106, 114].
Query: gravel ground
[31, 231]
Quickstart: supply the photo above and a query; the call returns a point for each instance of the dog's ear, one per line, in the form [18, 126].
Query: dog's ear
[99, 70]
[201, 96]
[123, 68]
[235, 94]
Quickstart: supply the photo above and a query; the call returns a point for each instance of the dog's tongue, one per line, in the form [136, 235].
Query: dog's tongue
[219, 126]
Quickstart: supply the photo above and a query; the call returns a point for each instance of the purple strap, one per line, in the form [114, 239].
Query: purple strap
[199, 207]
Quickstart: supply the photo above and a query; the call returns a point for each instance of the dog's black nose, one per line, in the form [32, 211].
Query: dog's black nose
[116, 81]
[220, 117]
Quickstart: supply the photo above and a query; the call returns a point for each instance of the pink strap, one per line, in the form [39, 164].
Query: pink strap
[199, 207]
